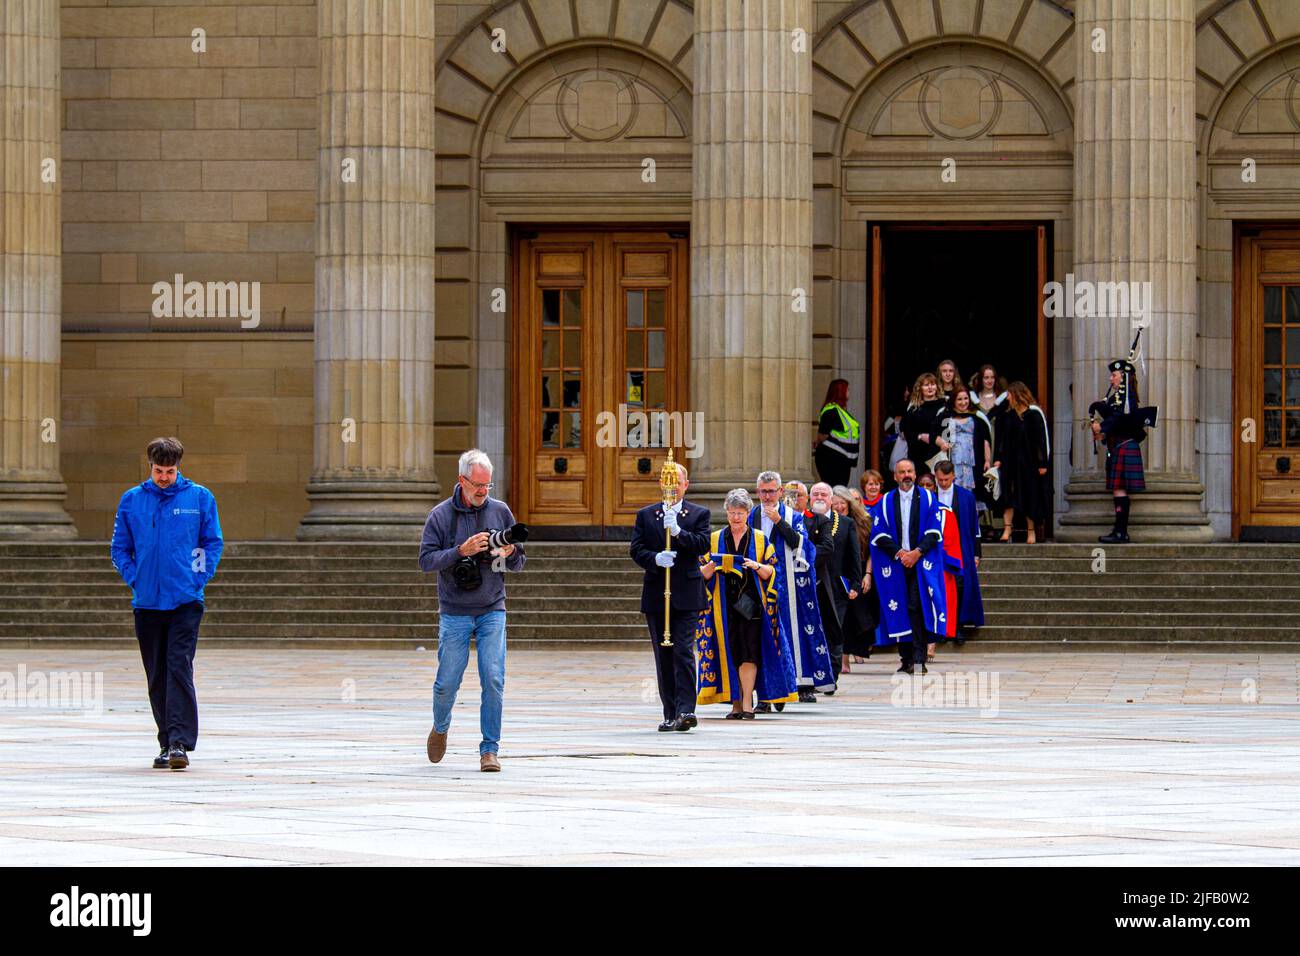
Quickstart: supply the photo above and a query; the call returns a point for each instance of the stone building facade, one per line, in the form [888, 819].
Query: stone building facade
[502, 224]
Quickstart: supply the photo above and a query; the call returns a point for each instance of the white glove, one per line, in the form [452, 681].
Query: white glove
[670, 522]
[665, 559]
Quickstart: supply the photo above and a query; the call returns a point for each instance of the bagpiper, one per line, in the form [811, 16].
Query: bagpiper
[1122, 422]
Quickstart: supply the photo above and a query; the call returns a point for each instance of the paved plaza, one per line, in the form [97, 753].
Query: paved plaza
[317, 757]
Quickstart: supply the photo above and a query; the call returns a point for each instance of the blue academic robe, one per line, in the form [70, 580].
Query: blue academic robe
[796, 591]
[889, 573]
[718, 679]
[968, 522]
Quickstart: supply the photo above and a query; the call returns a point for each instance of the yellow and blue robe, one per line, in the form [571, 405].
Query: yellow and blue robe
[718, 681]
[797, 609]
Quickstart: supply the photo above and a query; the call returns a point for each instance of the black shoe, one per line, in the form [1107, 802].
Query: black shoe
[807, 697]
[735, 715]
[924, 669]
[779, 708]
[160, 761]
[747, 715]
[763, 707]
[177, 758]
[904, 669]
[829, 693]
[668, 725]
[685, 722]
[1114, 538]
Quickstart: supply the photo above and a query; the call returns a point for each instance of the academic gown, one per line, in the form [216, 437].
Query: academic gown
[719, 680]
[1024, 446]
[889, 574]
[952, 565]
[796, 590]
[971, 613]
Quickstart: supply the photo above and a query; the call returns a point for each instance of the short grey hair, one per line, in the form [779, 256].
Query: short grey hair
[801, 486]
[769, 476]
[739, 498]
[472, 459]
[842, 491]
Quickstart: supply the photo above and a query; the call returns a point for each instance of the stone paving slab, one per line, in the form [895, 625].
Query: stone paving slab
[317, 758]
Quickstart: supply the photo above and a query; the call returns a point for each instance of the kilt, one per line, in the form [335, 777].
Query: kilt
[1124, 467]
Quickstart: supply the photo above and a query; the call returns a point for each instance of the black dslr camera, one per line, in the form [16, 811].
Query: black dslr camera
[468, 572]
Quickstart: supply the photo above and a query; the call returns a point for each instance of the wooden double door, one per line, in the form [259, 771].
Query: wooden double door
[599, 347]
[1267, 379]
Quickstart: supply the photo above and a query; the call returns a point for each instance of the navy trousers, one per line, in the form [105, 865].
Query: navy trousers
[675, 666]
[167, 643]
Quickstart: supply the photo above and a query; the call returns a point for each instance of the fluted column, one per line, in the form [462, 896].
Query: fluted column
[1135, 221]
[751, 240]
[31, 490]
[374, 272]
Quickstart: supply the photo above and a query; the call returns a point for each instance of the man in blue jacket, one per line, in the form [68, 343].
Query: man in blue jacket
[166, 545]
[471, 601]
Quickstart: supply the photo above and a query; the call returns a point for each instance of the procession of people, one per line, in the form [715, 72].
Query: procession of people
[813, 577]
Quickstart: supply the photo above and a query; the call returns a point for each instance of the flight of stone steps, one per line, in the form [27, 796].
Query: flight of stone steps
[1239, 597]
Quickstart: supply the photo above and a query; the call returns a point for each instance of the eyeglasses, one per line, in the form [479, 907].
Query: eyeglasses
[477, 486]
[768, 491]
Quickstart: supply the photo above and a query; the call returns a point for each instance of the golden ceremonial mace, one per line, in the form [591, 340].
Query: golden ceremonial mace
[668, 479]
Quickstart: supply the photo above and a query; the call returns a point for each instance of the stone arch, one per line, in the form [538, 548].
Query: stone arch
[865, 40]
[581, 92]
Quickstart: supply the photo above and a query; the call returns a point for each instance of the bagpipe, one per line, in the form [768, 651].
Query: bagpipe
[1122, 401]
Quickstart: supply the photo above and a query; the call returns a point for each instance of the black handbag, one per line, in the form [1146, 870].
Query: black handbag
[746, 606]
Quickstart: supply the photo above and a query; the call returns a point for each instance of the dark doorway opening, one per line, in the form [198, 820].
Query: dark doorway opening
[971, 292]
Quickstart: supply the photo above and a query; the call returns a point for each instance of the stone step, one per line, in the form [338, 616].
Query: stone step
[1157, 604]
[115, 591]
[1124, 634]
[20, 634]
[78, 617]
[382, 548]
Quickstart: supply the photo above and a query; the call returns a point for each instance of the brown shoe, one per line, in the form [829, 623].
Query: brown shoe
[437, 746]
[489, 763]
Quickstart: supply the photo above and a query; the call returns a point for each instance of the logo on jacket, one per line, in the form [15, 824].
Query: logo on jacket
[185, 511]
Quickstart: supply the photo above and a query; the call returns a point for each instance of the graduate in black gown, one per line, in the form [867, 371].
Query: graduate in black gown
[1023, 458]
[923, 423]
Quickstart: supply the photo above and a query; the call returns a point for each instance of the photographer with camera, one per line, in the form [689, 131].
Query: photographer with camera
[470, 540]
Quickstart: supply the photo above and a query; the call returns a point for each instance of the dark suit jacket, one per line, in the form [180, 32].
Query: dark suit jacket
[648, 540]
[837, 556]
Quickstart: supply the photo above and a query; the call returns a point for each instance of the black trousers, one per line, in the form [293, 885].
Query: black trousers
[915, 650]
[167, 643]
[832, 467]
[675, 666]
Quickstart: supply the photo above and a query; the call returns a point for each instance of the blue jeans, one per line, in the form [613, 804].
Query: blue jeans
[454, 632]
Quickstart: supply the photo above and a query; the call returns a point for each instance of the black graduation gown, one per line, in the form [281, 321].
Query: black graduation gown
[863, 615]
[1022, 449]
[925, 419]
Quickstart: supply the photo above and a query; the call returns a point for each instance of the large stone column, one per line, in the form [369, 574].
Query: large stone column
[1135, 221]
[374, 273]
[751, 241]
[31, 489]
